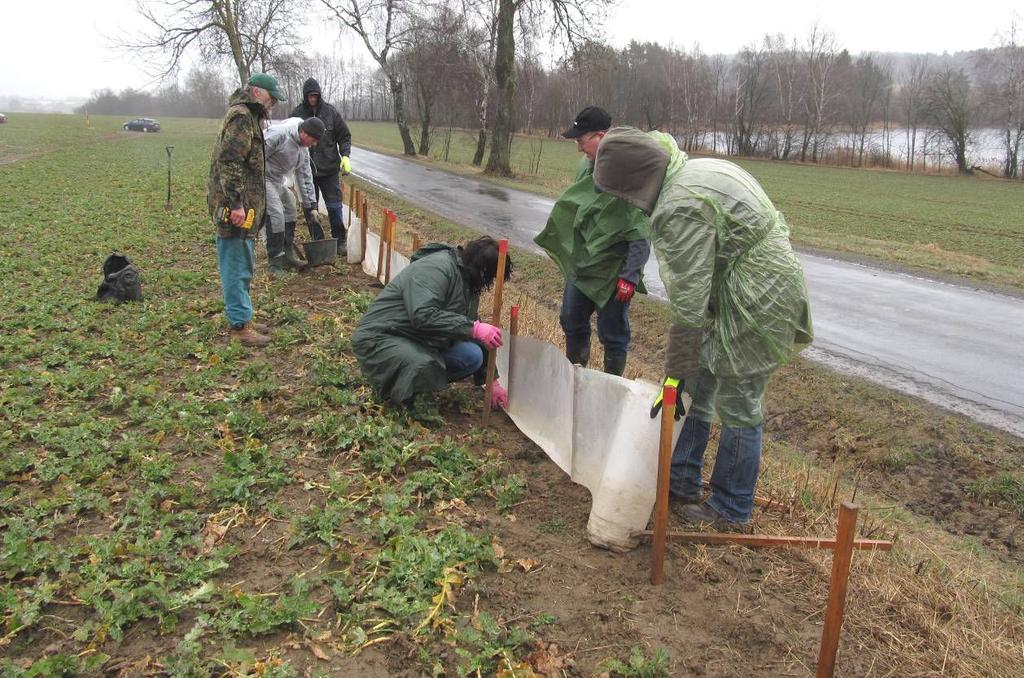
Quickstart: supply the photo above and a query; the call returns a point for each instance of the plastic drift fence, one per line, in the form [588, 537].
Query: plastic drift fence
[596, 427]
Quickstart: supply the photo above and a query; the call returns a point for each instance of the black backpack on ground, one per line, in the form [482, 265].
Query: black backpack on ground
[121, 280]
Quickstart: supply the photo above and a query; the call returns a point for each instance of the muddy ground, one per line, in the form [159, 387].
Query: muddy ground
[724, 611]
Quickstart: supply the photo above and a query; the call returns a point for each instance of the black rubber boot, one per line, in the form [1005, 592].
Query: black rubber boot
[292, 261]
[275, 245]
[577, 349]
[615, 364]
[275, 252]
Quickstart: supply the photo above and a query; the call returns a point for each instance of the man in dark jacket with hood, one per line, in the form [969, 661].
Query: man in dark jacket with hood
[329, 158]
[421, 331]
[237, 199]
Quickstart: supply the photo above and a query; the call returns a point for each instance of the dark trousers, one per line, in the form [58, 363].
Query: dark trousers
[327, 184]
[612, 320]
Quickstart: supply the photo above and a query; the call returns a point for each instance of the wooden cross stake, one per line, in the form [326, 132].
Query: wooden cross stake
[364, 209]
[668, 410]
[492, 354]
[392, 226]
[383, 236]
[837, 586]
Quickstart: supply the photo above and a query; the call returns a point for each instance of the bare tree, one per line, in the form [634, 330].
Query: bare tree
[784, 59]
[821, 57]
[718, 73]
[248, 32]
[434, 62]
[950, 109]
[865, 94]
[912, 87]
[1003, 84]
[570, 19]
[384, 26]
[750, 97]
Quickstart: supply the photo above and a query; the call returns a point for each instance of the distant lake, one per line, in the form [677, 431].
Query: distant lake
[984, 150]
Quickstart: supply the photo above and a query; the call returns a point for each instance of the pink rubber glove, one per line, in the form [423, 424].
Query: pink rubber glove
[487, 334]
[499, 396]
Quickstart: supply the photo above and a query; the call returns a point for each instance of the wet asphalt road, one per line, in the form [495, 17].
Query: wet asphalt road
[955, 346]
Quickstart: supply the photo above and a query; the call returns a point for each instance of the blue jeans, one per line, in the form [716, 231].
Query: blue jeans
[236, 260]
[328, 185]
[463, 359]
[738, 405]
[612, 320]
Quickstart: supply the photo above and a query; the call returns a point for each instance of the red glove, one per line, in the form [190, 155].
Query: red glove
[487, 334]
[624, 291]
[499, 396]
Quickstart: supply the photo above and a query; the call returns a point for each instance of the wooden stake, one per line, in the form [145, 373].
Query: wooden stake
[492, 354]
[416, 243]
[353, 202]
[341, 192]
[837, 586]
[383, 236]
[363, 224]
[392, 227]
[668, 410]
[513, 332]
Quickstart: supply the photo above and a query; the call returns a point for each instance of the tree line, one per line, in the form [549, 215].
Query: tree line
[476, 64]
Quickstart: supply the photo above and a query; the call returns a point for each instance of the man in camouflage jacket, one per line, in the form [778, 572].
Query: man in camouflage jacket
[236, 187]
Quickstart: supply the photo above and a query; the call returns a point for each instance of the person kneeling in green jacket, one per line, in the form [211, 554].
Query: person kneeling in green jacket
[422, 331]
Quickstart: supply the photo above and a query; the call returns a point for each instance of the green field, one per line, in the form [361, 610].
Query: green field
[174, 505]
[141, 455]
[961, 226]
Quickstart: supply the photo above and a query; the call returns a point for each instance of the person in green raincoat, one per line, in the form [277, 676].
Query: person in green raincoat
[422, 332]
[738, 302]
[601, 244]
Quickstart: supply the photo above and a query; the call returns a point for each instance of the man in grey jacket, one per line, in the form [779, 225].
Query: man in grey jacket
[286, 152]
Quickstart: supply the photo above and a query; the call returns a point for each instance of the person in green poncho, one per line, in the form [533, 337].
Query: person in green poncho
[422, 332]
[738, 302]
[600, 243]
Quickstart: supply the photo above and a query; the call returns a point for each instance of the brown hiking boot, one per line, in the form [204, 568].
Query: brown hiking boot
[260, 327]
[247, 336]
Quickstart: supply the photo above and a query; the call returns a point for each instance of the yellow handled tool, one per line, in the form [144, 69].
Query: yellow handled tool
[250, 216]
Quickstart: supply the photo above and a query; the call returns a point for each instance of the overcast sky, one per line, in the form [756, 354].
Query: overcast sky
[60, 48]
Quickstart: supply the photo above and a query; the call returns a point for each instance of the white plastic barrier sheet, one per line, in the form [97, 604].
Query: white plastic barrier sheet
[595, 426]
[354, 241]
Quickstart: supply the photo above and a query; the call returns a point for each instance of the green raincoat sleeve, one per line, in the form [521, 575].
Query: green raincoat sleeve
[586, 235]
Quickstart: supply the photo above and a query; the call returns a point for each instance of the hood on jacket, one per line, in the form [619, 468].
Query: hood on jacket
[291, 125]
[308, 87]
[633, 165]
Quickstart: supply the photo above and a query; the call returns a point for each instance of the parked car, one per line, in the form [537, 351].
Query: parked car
[3, 118]
[141, 125]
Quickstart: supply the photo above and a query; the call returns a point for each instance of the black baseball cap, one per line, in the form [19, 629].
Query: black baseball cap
[590, 119]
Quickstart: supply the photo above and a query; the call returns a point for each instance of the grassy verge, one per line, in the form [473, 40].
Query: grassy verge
[965, 227]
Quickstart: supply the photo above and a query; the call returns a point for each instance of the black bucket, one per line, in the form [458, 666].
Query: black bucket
[321, 252]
